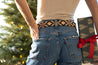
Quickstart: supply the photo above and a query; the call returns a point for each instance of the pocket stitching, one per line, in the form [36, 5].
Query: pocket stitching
[41, 39]
[70, 50]
[71, 37]
[46, 50]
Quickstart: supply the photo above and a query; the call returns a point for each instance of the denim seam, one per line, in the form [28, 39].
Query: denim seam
[71, 37]
[67, 30]
[70, 51]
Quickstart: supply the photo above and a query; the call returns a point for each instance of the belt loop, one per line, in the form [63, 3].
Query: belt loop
[55, 23]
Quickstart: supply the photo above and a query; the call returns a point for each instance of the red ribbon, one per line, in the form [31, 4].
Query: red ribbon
[92, 40]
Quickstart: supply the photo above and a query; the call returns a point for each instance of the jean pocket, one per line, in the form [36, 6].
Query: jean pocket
[40, 48]
[72, 46]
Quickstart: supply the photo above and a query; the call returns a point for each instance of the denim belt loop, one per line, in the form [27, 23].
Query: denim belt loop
[55, 23]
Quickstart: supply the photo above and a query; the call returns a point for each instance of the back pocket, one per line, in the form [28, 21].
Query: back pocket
[71, 43]
[40, 48]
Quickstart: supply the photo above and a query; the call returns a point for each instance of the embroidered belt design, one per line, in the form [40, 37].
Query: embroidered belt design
[51, 23]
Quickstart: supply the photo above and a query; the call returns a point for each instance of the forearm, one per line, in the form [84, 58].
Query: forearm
[93, 6]
[25, 11]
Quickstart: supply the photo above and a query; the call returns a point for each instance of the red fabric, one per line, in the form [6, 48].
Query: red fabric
[92, 40]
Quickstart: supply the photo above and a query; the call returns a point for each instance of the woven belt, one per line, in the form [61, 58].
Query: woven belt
[51, 23]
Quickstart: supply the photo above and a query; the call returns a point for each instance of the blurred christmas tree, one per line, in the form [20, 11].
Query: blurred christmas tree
[15, 41]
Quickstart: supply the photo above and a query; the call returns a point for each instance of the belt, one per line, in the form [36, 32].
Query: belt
[51, 23]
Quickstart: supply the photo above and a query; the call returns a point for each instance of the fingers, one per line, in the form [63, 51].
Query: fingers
[34, 35]
[34, 32]
[37, 36]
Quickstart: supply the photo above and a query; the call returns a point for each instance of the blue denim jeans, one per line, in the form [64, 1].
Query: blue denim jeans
[56, 44]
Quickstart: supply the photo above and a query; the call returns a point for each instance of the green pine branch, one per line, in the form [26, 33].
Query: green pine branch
[15, 39]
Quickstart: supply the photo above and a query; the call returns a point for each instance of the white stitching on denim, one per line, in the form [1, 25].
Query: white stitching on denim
[71, 37]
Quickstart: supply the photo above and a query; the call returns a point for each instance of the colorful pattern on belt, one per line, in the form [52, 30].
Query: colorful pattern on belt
[51, 23]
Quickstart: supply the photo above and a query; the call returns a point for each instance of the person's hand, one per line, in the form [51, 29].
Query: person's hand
[34, 32]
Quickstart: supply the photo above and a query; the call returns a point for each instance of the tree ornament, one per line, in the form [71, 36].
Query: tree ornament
[21, 26]
[21, 49]
[23, 62]
[12, 22]
[20, 56]
[13, 56]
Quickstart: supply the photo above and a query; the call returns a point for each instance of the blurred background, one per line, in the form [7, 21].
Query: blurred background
[15, 39]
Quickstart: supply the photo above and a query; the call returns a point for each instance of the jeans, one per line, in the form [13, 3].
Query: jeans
[56, 44]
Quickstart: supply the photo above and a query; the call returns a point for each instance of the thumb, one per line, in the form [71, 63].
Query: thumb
[37, 35]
